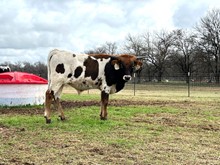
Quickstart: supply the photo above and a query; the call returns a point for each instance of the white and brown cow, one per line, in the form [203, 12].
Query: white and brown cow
[5, 69]
[82, 72]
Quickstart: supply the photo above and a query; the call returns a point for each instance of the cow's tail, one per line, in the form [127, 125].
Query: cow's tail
[50, 55]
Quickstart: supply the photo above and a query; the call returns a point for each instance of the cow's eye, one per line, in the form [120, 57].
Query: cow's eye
[121, 66]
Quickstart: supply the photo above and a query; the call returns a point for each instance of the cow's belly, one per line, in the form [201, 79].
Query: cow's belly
[83, 85]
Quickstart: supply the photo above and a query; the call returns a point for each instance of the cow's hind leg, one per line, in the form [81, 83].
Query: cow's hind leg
[57, 102]
[59, 108]
[48, 101]
[104, 103]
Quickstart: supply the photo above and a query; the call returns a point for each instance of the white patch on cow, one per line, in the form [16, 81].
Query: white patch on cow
[102, 64]
[116, 66]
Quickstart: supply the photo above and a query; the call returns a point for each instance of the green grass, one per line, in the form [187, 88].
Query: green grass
[165, 130]
[85, 119]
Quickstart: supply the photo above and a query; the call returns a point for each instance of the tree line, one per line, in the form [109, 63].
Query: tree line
[176, 52]
[164, 53]
[38, 68]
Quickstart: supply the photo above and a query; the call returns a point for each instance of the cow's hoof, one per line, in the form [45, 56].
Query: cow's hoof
[48, 121]
[103, 118]
[62, 118]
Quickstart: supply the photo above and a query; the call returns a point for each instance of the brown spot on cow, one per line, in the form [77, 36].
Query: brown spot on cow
[78, 71]
[60, 68]
[127, 59]
[92, 68]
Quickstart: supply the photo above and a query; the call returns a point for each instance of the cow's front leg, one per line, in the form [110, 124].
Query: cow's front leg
[104, 103]
[47, 105]
[60, 109]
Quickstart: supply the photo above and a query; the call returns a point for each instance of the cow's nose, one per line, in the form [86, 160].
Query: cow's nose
[126, 77]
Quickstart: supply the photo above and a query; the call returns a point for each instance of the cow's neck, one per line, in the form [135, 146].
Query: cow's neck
[120, 85]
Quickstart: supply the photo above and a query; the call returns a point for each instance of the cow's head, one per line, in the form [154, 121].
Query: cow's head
[126, 64]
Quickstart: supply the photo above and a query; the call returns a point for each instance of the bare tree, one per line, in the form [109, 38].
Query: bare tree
[154, 49]
[98, 50]
[107, 48]
[184, 52]
[110, 47]
[148, 69]
[40, 69]
[160, 51]
[209, 39]
[134, 45]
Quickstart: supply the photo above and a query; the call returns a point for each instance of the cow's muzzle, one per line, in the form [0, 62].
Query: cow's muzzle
[127, 77]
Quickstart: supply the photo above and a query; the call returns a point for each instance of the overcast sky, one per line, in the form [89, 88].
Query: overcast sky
[29, 29]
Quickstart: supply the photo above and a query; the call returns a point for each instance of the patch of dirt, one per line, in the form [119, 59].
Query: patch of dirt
[3, 129]
[175, 120]
[77, 104]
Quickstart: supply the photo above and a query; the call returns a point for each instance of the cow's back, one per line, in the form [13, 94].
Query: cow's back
[60, 66]
[56, 57]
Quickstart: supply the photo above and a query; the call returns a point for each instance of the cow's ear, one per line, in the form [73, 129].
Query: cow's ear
[137, 64]
[116, 64]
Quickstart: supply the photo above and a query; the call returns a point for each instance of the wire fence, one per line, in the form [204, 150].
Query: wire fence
[194, 80]
[168, 88]
[199, 86]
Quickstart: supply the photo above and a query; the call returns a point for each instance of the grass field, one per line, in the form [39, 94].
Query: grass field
[159, 125]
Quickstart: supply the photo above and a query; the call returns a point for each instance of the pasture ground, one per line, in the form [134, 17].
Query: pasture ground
[160, 125]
